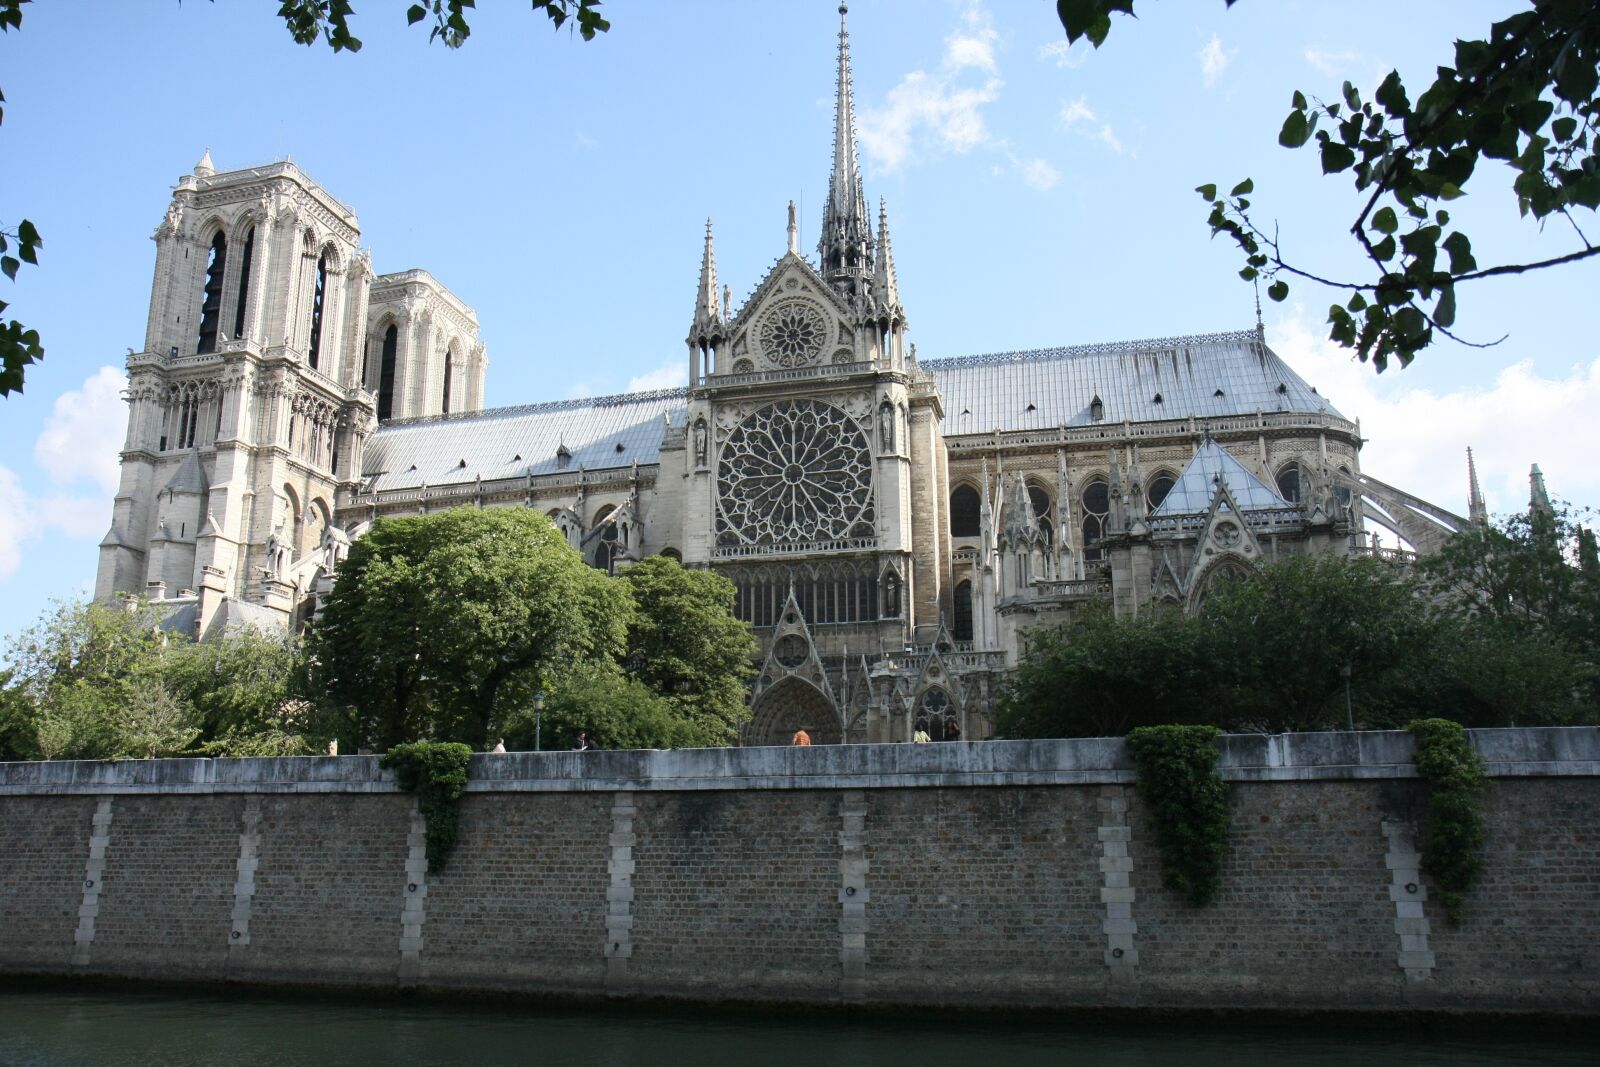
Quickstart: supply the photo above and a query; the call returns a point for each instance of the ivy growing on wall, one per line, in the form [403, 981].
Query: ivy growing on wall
[1178, 779]
[436, 771]
[1452, 836]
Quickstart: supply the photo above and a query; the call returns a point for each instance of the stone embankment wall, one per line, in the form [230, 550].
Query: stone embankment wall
[1000, 874]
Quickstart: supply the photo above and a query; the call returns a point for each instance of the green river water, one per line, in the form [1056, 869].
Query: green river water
[113, 1028]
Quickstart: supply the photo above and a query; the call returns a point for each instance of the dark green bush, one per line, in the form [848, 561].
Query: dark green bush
[1453, 835]
[436, 771]
[1178, 779]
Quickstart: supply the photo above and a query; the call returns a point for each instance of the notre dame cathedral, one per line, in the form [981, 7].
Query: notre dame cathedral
[892, 527]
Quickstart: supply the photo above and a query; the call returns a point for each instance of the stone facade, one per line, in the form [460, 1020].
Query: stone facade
[893, 526]
[998, 875]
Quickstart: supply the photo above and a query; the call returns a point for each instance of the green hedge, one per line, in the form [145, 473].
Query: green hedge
[1453, 835]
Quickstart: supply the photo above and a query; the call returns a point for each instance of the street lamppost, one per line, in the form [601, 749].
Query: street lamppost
[538, 719]
[1349, 718]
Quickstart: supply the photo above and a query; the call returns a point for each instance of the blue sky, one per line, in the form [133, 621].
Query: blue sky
[1038, 196]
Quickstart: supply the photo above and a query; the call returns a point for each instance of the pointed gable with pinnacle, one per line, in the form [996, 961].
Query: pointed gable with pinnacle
[846, 241]
[707, 326]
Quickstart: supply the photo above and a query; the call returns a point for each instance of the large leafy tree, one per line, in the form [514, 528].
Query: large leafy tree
[685, 644]
[440, 626]
[1524, 95]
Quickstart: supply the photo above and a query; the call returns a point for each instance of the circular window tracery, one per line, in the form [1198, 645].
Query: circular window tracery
[797, 470]
[793, 333]
[791, 650]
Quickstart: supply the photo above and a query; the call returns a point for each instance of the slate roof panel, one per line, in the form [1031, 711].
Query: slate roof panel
[1192, 492]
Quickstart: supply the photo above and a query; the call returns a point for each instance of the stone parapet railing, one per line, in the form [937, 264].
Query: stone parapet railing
[1533, 752]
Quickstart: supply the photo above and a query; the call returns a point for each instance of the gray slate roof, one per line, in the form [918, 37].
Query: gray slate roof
[985, 393]
[981, 394]
[600, 432]
[1195, 487]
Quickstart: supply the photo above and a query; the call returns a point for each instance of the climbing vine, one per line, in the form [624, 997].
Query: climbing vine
[1178, 779]
[1452, 836]
[436, 771]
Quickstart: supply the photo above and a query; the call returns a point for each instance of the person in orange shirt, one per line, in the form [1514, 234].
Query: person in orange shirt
[801, 738]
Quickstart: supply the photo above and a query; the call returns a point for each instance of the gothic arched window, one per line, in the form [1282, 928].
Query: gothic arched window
[1161, 484]
[1096, 500]
[318, 300]
[449, 366]
[243, 294]
[1289, 483]
[1040, 501]
[211, 295]
[386, 362]
[964, 509]
[962, 628]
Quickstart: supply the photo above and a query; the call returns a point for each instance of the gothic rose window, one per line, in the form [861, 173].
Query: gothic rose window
[792, 333]
[797, 470]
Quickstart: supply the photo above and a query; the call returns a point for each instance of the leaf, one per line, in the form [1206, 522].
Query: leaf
[1296, 130]
[1384, 221]
[1563, 128]
[1460, 249]
[415, 14]
[1243, 187]
[1444, 312]
[1278, 291]
[1391, 95]
[1351, 97]
[1209, 190]
[1336, 157]
[9, 265]
[1384, 249]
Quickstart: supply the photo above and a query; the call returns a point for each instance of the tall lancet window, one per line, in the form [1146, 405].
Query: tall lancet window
[449, 367]
[211, 296]
[318, 300]
[391, 344]
[244, 282]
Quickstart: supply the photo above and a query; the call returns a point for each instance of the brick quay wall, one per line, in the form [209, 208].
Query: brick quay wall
[985, 875]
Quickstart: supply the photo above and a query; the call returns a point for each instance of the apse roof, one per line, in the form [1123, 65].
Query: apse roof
[1206, 376]
[1195, 487]
[1210, 376]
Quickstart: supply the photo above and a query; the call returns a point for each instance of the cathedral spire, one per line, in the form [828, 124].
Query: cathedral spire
[1538, 498]
[846, 241]
[884, 283]
[1477, 510]
[707, 310]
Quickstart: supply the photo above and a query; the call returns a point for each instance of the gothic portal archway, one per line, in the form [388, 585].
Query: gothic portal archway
[790, 705]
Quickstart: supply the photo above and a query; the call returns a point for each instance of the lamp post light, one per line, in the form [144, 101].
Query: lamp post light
[1349, 718]
[538, 719]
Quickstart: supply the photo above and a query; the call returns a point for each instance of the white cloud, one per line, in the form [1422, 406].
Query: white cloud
[670, 376]
[1329, 63]
[25, 518]
[937, 106]
[1214, 59]
[85, 431]
[1418, 436]
[1068, 56]
[586, 142]
[1040, 175]
[1076, 113]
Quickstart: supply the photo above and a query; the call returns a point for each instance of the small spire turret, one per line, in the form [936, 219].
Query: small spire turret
[884, 284]
[707, 309]
[205, 168]
[1477, 510]
[1538, 498]
[846, 241]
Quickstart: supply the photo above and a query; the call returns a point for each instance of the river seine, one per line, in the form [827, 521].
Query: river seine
[105, 1028]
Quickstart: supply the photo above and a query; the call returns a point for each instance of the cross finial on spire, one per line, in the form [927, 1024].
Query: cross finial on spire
[846, 241]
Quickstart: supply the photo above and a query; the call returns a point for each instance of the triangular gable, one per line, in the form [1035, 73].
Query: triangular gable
[769, 287]
[1211, 466]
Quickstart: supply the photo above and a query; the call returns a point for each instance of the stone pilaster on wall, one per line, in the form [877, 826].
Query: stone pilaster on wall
[1116, 887]
[413, 907]
[244, 886]
[93, 874]
[619, 893]
[853, 894]
[1408, 893]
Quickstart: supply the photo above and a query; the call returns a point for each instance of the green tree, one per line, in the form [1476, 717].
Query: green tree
[615, 710]
[243, 688]
[440, 626]
[1525, 95]
[685, 644]
[1100, 676]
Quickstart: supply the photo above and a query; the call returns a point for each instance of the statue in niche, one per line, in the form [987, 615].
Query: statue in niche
[891, 596]
[886, 428]
[700, 443]
[277, 553]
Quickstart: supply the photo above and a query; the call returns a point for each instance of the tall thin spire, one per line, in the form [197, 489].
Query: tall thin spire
[1477, 510]
[884, 284]
[707, 310]
[846, 241]
[1538, 498]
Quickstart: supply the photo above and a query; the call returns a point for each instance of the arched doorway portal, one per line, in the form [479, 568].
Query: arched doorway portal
[791, 705]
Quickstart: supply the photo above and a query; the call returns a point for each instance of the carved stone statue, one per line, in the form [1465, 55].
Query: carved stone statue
[886, 428]
[700, 443]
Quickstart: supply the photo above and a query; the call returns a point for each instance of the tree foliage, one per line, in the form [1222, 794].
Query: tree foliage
[436, 772]
[1452, 835]
[1176, 768]
[614, 709]
[329, 20]
[1526, 95]
[685, 644]
[440, 626]
[91, 681]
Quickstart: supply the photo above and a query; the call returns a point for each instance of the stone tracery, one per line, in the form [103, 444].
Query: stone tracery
[795, 471]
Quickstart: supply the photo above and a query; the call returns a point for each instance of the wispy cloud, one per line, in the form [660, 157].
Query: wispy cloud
[1078, 117]
[942, 109]
[1419, 435]
[670, 376]
[1329, 63]
[586, 142]
[1040, 175]
[1068, 56]
[1214, 59]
